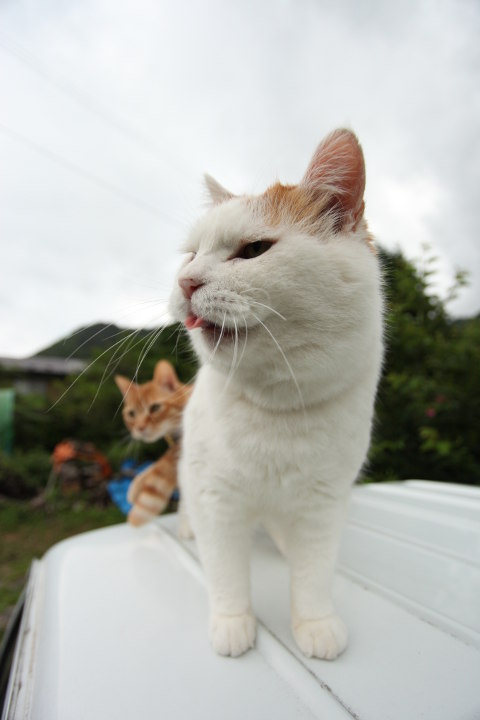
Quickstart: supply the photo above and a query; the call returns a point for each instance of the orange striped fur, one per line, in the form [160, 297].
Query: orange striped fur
[151, 411]
[150, 491]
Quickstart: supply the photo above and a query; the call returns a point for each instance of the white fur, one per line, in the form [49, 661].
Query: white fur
[278, 425]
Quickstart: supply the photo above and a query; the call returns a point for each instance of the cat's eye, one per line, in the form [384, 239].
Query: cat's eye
[131, 413]
[254, 249]
[155, 407]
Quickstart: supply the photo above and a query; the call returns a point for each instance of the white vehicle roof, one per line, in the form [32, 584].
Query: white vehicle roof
[116, 623]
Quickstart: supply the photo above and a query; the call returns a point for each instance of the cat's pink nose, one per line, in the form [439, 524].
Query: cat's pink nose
[189, 285]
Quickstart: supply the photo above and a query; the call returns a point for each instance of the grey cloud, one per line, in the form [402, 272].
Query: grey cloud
[145, 98]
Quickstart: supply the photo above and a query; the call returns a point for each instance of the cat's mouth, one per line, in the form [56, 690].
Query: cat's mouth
[193, 322]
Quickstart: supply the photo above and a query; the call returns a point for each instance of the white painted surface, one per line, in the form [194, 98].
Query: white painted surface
[122, 623]
[422, 548]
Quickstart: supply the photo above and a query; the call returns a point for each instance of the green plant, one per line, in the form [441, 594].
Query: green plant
[24, 474]
[428, 406]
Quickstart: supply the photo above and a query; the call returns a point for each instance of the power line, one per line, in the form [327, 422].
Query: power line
[35, 65]
[82, 172]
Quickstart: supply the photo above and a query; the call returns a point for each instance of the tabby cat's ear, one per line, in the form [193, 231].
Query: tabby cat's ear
[338, 168]
[123, 384]
[165, 375]
[217, 192]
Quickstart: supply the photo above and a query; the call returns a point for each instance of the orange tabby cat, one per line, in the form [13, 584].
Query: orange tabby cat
[151, 411]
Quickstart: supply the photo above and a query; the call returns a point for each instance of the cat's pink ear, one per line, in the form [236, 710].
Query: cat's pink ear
[338, 168]
[218, 194]
[165, 375]
[123, 384]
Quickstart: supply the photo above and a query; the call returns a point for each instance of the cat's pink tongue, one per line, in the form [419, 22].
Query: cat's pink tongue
[192, 322]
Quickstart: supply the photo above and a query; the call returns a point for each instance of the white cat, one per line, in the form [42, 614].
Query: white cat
[281, 294]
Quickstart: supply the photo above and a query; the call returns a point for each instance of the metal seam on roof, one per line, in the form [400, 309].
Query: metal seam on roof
[274, 651]
[407, 540]
[440, 622]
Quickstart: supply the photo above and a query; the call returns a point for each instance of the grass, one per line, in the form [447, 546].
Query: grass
[28, 532]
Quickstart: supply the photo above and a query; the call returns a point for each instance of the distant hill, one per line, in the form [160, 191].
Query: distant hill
[86, 341]
[123, 349]
[90, 340]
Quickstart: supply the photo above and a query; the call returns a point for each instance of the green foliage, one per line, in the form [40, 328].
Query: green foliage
[428, 406]
[427, 413]
[23, 474]
[88, 407]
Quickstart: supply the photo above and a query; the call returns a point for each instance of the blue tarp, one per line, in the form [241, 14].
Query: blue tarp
[118, 487]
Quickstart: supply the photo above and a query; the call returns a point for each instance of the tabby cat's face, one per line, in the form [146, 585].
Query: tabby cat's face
[154, 409]
[149, 413]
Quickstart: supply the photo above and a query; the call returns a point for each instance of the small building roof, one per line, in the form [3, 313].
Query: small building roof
[43, 365]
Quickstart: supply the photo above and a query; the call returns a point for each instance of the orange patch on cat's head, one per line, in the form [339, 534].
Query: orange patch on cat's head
[294, 204]
[329, 198]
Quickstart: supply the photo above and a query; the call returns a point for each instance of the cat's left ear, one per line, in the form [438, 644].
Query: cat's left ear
[165, 375]
[123, 384]
[218, 194]
[338, 168]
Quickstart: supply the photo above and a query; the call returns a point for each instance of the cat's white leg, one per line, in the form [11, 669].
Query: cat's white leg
[312, 551]
[224, 541]
[276, 531]
[184, 530]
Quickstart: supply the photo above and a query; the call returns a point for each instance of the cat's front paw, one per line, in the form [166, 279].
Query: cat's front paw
[325, 638]
[232, 634]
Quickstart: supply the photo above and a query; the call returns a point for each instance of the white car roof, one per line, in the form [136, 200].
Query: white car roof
[116, 623]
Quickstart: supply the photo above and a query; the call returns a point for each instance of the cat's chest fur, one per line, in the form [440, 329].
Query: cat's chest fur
[271, 458]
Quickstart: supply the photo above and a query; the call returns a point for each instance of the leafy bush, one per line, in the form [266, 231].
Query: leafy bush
[23, 475]
[428, 405]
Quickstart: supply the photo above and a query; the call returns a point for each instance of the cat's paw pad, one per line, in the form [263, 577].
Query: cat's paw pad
[325, 638]
[232, 634]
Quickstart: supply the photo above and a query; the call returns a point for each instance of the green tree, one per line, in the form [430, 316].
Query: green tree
[427, 413]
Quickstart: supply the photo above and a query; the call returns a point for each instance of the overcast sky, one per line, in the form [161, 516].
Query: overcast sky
[111, 111]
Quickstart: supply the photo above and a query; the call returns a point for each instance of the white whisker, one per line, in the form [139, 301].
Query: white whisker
[90, 365]
[92, 337]
[154, 336]
[268, 307]
[219, 338]
[109, 370]
[119, 349]
[302, 403]
[244, 342]
[235, 345]
[251, 300]
[179, 331]
[131, 310]
[124, 345]
[231, 372]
